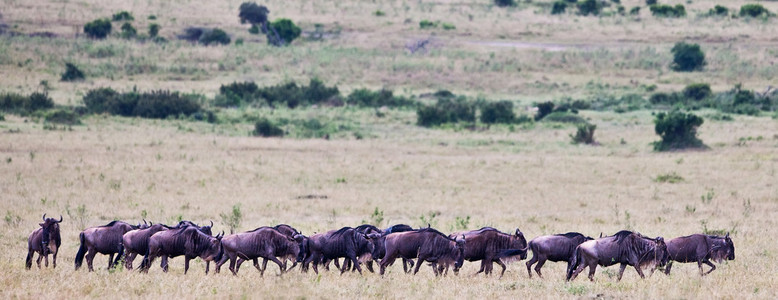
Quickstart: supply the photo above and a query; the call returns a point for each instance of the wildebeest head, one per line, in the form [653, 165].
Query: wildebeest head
[301, 244]
[460, 250]
[203, 245]
[522, 242]
[48, 226]
[661, 251]
[722, 249]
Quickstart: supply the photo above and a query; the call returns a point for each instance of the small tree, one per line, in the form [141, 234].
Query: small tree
[584, 134]
[128, 31]
[544, 109]
[98, 29]
[587, 7]
[687, 57]
[153, 30]
[697, 91]
[282, 32]
[504, 3]
[678, 130]
[559, 7]
[266, 128]
[72, 73]
[753, 10]
[250, 12]
[214, 36]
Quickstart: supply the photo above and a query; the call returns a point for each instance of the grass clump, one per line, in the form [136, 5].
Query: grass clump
[719, 10]
[62, 116]
[669, 178]
[266, 128]
[678, 130]
[214, 36]
[128, 31]
[584, 134]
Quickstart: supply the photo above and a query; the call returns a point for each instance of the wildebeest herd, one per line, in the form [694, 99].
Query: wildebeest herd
[364, 244]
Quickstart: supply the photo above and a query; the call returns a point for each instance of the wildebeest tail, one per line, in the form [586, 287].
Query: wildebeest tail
[572, 264]
[81, 251]
[28, 262]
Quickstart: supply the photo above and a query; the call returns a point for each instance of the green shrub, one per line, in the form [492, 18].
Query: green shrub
[697, 91]
[98, 29]
[123, 16]
[498, 112]
[589, 7]
[448, 26]
[662, 98]
[63, 116]
[236, 93]
[254, 29]
[72, 73]
[38, 101]
[128, 31]
[252, 13]
[677, 130]
[214, 36]
[563, 117]
[625, 103]
[283, 32]
[651, 2]
[293, 95]
[368, 98]
[635, 11]
[719, 10]
[154, 30]
[379, 13]
[558, 7]
[753, 10]
[584, 134]
[446, 110]
[669, 178]
[192, 34]
[100, 100]
[687, 57]
[266, 128]
[544, 109]
[504, 3]
[162, 104]
[20, 104]
[427, 24]
[668, 11]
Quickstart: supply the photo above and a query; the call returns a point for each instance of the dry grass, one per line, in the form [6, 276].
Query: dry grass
[535, 180]
[531, 178]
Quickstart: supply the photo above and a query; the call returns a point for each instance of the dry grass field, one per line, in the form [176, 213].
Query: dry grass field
[528, 177]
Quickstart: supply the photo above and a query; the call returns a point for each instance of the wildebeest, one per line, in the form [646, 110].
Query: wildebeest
[345, 242]
[290, 232]
[45, 240]
[489, 245]
[559, 247]
[188, 241]
[106, 239]
[425, 244]
[365, 255]
[266, 242]
[701, 249]
[137, 242]
[625, 248]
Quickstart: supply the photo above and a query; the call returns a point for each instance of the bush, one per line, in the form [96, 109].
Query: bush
[156, 104]
[16, 103]
[100, 100]
[635, 11]
[192, 34]
[446, 110]
[753, 10]
[662, 10]
[381, 98]
[504, 3]
[98, 29]
[687, 57]
[216, 36]
[559, 7]
[498, 112]
[697, 91]
[584, 134]
[651, 2]
[283, 32]
[678, 130]
[589, 7]
[448, 26]
[666, 98]
[252, 13]
[563, 117]
[427, 24]
[293, 95]
[544, 109]
[237, 93]
[72, 73]
[266, 128]
[128, 31]
[719, 10]
[62, 116]
[154, 30]
[123, 16]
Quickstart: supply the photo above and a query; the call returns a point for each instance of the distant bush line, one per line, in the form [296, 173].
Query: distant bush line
[155, 104]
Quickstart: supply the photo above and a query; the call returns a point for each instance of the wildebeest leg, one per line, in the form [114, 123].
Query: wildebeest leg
[387, 261]
[639, 270]
[419, 262]
[668, 267]
[281, 266]
[186, 264]
[40, 257]
[128, 259]
[621, 271]
[28, 261]
[163, 264]
[54, 259]
[531, 262]
[540, 264]
[356, 263]
[409, 264]
[337, 264]
[501, 264]
[294, 264]
[90, 257]
[218, 267]
[369, 265]
[712, 267]
[264, 267]
[483, 268]
[207, 265]
[592, 269]
[110, 261]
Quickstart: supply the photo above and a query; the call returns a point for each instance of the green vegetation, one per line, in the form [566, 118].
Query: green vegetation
[154, 30]
[23, 105]
[123, 16]
[589, 7]
[446, 110]
[155, 104]
[214, 36]
[687, 57]
[668, 11]
[669, 178]
[697, 91]
[98, 29]
[380, 98]
[753, 10]
[128, 32]
[498, 112]
[678, 130]
[559, 7]
[505, 3]
[72, 73]
[266, 128]
[584, 134]
[719, 10]
[284, 31]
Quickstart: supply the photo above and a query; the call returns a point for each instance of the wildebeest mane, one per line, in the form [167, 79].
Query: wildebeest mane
[571, 235]
[430, 229]
[367, 228]
[112, 223]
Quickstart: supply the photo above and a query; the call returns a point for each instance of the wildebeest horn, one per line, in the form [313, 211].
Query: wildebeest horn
[44, 217]
[144, 222]
[600, 234]
[726, 236]
[517, 231]
[211, 223]
[60, 219]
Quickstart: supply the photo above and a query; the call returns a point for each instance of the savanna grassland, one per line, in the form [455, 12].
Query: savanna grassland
[385, 169]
